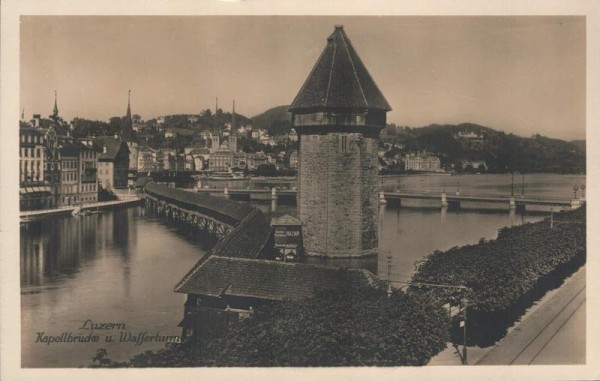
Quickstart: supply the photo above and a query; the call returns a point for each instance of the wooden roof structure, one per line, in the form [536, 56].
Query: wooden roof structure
[339, 80]
[263, 279]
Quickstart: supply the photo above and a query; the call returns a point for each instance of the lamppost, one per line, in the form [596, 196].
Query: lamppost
[523, 185]
[582, 187]
[464, 303]
[575, 189]
[389, 270]
[512, 184]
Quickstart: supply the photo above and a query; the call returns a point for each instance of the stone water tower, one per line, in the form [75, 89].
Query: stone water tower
[338, 115]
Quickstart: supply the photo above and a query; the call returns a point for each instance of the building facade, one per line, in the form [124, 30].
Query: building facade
[69, 174]
[52, 165]
[113, 162]
[34, 191]
[338, 115]
[221, 160]
[88, 178]
[422, 162]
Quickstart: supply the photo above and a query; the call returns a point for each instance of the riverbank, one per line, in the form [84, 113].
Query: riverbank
[36, 215]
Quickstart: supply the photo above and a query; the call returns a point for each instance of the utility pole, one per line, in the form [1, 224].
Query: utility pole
[464, 324]
[389, 271]
[523, 185]
[512, 184]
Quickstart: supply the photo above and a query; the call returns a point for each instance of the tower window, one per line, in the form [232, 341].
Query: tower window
[344, 144]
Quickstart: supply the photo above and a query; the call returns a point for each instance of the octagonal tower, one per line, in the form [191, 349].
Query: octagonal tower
[338, 115]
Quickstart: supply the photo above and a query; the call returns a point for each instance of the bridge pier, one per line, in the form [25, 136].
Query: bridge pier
[382, 199]
[444, 200]
[512, 205]
[226, 192]
[273, 199]
[575, 203]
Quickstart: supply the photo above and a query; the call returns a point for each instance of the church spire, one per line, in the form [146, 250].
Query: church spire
[233, 117]
[128, 105]
[127, 128]
[55, 111]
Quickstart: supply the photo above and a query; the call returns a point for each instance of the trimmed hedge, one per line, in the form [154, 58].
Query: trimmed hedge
[508, 274]
[349, 326]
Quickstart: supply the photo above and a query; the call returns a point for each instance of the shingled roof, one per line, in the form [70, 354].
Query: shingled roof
[113, 145]
[263, 279]
[224, 210]
[339, 79]
[248, 238]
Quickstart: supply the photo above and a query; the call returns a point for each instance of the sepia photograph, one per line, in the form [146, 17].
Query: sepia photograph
[312, 191]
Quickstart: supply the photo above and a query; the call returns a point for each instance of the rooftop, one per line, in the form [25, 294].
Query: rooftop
[263, 279]
[339, 79]
[113, 145]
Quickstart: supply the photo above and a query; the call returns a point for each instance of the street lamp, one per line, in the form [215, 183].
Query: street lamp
[575, 189]
[512, 184]
[582, 187]
[464, 303]
[464, 325]
[389, 270]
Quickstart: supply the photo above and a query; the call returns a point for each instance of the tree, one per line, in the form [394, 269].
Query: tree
[114, 125]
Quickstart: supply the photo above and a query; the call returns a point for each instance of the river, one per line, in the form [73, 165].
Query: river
[121, 266]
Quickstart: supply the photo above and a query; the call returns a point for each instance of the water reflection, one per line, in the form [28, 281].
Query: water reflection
[51, 249]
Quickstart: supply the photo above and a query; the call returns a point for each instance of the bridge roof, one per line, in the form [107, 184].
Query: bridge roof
[213, 206]
[248, 238]
[263, 279]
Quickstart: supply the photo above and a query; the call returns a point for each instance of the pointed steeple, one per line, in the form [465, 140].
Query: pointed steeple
[55, 111]
[233, 117]
[128, 115]
[127, 128]
[339, 79]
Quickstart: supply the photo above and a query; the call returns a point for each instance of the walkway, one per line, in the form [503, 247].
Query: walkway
[123, 200]
[551, 332]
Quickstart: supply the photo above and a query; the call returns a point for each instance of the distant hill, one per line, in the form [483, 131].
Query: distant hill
[276, 120]
[502, 152]
[579, 144]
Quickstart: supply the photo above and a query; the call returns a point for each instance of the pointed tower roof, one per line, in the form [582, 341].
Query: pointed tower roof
[233, 116]
[127, 128]
[339, 79]
[55, 110]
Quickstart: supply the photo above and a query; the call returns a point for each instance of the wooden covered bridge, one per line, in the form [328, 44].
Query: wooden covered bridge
[213, 215]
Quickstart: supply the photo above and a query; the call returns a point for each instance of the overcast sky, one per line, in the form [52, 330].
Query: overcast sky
[523, 75]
